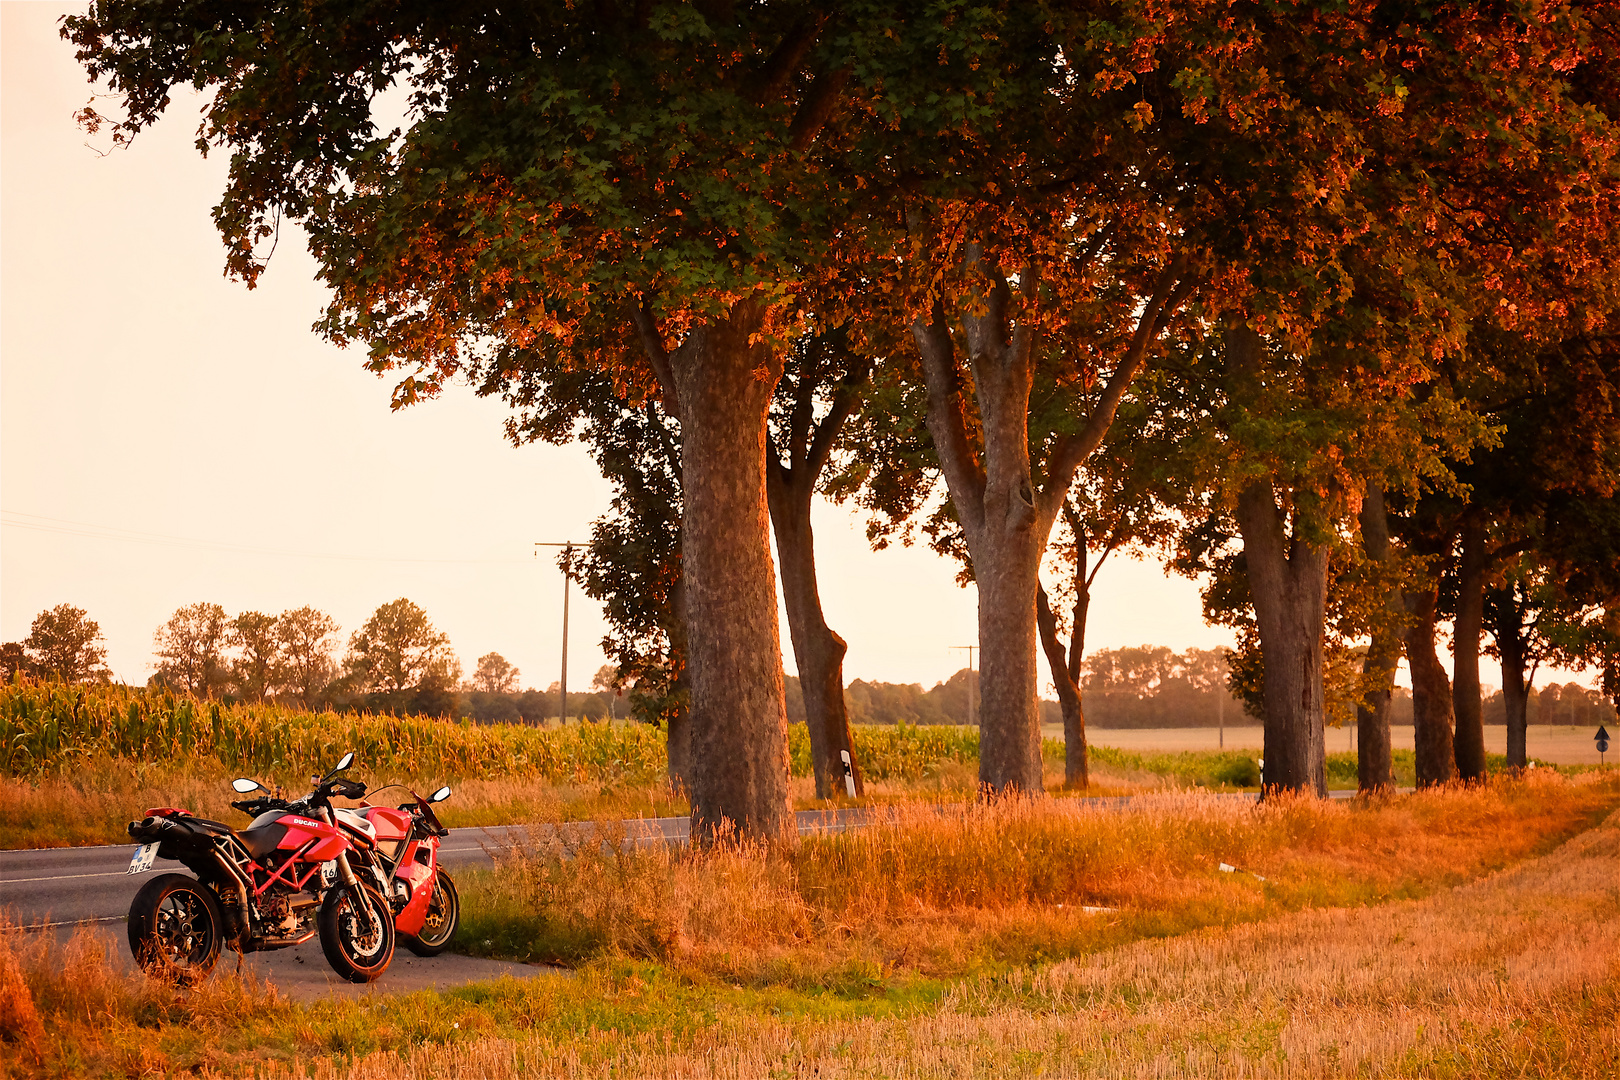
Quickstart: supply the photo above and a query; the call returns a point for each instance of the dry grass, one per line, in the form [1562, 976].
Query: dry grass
[91, 800]
[1515, 975]
[977, 887]
[68, 1009]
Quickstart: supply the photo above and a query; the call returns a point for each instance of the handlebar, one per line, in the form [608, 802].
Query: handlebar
[347, 789]
[255, 807]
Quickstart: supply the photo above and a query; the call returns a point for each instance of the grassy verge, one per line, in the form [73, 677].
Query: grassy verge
[1514, 973]
[979, 887]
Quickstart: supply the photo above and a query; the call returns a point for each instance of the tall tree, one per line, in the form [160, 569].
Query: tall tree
[649, 190]
[399, 648]
[191, 647]
[306, 639]
[256, 670]
[824, 376]
[1375, 751]
[495, 674]
[1118, 503]
[66, 644]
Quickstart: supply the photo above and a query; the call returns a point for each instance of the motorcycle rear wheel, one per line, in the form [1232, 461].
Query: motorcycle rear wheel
[176, 928]
[359, 944]
[443, 916]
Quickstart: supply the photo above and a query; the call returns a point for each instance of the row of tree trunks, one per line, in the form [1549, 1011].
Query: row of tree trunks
[1375, 763]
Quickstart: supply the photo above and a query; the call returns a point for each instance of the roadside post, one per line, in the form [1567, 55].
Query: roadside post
[1602, 740]
[849, 773]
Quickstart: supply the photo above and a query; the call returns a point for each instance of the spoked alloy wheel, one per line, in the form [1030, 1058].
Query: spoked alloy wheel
[176, 928]
[443, 916]
[358, 940]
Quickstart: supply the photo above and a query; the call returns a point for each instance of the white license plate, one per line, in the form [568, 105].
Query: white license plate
[142, 860]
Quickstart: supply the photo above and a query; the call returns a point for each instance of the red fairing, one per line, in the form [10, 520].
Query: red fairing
[168, 811]
[416, 868]
[390, 824]
[301, 830]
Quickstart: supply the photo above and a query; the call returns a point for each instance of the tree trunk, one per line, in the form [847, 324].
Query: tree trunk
[1466, 630]
[1288, 583]
[1510, 645]
[1009, 715]
[739, 768]
[986, 465]
[818, 651]
[1375, 762]
[1076, 766]
[1005, 536]
[1431, 692]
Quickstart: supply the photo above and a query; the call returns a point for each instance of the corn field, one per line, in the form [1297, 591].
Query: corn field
[46, 727]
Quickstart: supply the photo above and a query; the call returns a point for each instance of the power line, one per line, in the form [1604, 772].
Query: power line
[62, 526]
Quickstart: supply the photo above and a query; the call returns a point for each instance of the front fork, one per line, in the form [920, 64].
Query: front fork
[351, 881]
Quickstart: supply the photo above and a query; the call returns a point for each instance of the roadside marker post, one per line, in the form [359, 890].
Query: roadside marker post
[849, 773]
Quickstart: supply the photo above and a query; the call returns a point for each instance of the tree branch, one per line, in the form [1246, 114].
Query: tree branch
[817, 107]
[1173, 288]
[799, 422]
[770, 82]
[844, 401]
[652, 343]
[964, 474]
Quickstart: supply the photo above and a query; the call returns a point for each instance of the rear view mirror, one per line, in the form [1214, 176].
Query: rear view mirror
[440, 795]
[343, 763]
[243, 785]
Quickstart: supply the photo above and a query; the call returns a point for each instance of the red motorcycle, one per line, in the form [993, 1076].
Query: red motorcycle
[405, 841]
[299, 869]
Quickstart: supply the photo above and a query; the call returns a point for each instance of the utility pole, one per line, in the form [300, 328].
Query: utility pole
[568, 573]
[973, 711]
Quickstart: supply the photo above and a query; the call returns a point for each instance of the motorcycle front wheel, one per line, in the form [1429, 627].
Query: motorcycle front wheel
[176, 928]
[358, 939]
[443, 916]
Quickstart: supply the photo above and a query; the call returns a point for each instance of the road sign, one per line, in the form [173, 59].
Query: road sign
[1602, 739]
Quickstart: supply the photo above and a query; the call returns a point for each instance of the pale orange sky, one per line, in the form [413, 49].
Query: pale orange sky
[169, 436]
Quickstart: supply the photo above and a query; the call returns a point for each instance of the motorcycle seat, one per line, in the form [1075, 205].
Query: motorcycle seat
[261, 840]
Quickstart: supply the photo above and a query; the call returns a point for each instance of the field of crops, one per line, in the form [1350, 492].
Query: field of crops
[47, 727]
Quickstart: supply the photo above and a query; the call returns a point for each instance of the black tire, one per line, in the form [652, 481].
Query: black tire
[358, 944]
[176, 928]
[443, 916]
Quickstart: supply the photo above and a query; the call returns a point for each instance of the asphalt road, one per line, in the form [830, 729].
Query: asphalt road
[59, 890]
[73, 885]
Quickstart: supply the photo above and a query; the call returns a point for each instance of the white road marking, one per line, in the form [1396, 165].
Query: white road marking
[61, 877]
